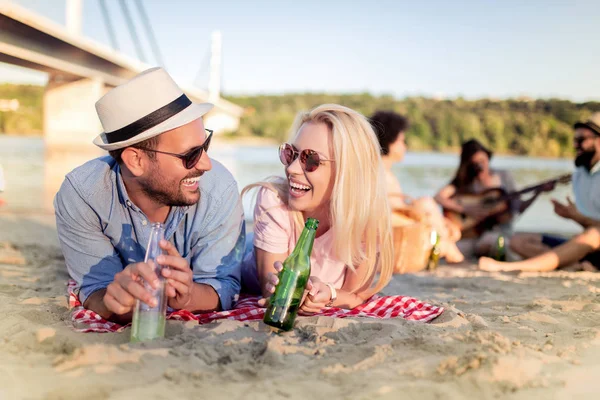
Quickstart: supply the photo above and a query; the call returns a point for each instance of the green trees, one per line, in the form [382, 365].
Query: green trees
[520, 126]
[27, 120]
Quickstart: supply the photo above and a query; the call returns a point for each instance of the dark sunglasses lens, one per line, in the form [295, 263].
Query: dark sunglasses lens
[191, 159]
[310, 160]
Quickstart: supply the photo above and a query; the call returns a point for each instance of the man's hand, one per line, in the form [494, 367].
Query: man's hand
[568, 210]
[122, 293]
[179, 276]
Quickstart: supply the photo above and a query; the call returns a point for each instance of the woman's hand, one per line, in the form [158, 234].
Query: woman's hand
[319, 294]
[272, 281]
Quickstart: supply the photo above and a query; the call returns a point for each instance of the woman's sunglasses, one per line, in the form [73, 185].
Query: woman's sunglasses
[309, 159]
[190, 158]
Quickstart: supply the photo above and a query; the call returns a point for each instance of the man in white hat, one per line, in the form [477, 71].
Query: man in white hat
[547, 252]
[158, 171]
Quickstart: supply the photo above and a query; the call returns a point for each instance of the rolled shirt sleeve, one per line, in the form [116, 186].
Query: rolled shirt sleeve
[217, 256]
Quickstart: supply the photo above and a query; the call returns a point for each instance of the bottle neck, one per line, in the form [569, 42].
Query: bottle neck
[305, 243]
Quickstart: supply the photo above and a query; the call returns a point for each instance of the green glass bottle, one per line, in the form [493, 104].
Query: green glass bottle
[500, 253]
[434, 256]
[283, 305]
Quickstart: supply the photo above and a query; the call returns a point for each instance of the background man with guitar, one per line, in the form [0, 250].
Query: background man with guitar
[482, 201]
[585, 211]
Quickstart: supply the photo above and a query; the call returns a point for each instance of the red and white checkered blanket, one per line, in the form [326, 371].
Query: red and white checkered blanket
[247, 309]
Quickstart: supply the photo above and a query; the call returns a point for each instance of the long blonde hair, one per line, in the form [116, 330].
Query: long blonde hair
[359, 211]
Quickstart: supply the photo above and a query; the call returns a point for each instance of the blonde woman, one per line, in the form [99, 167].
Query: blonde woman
[334, 173]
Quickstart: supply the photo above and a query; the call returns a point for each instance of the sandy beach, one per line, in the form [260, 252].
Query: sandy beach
[516, 336]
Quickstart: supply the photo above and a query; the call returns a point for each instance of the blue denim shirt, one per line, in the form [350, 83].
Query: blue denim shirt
[101, 231]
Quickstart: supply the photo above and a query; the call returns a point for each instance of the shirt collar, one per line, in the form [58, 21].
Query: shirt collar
[122, 190]
[595, 168]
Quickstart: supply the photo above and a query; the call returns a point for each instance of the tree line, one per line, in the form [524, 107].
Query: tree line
[518, 126]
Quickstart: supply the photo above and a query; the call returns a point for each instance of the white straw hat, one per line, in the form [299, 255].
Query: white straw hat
[145, 106]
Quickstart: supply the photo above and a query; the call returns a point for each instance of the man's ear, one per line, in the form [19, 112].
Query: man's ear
[135, 160]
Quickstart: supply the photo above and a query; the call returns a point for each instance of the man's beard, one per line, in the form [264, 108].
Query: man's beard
[157, 188]
[585, 159]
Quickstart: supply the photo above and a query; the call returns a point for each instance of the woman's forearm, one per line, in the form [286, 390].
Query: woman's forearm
[347, 300]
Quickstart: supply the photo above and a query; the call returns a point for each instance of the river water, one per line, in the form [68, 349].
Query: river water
[33, 175]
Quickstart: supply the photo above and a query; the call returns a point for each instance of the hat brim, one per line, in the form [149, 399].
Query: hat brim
[187, 115]
[588, 126]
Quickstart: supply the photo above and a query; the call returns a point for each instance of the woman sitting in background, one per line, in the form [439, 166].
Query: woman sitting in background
[390, 128]
[334, 173]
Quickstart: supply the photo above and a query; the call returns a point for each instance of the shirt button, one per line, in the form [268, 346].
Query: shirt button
[128, 203]
[144, 222]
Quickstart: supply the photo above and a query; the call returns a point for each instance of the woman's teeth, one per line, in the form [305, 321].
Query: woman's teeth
[298, 186]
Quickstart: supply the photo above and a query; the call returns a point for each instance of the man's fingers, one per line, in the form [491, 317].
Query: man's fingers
[136, 290]
[175, 262]
[113, 305]
[181, 288]
[170, 291]
[278, 266]
[178, 276]
[120, 295]
[146, 271]
[169, 248]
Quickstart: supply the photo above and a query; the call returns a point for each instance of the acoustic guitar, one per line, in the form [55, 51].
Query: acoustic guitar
[495, 206]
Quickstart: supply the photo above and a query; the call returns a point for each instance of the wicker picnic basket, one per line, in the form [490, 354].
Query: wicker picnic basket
[412, 244]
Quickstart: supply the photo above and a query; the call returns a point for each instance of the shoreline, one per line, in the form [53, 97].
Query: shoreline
[253, 141]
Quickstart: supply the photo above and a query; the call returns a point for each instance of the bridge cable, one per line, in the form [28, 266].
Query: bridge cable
[150, 33]
[108, 24]
[132, 31]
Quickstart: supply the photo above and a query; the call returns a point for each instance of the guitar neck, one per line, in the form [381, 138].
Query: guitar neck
[563, 179]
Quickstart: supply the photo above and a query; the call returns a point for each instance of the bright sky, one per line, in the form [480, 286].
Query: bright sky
[541, 48]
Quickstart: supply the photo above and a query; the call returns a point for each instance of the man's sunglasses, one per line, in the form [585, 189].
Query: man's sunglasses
[309, 159]
[578, 141]
[190, 158]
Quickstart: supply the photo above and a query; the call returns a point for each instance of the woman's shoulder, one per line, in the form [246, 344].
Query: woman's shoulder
[268, 197]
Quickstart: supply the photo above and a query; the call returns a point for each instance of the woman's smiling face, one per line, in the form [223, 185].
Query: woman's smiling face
[311, 191]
